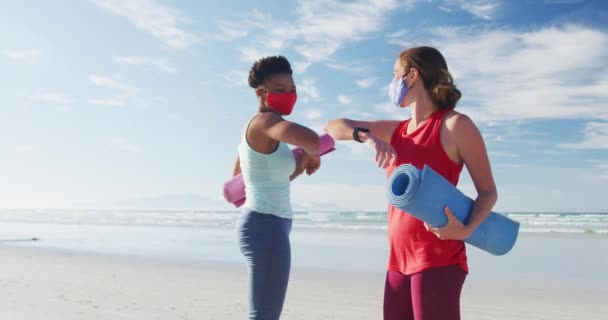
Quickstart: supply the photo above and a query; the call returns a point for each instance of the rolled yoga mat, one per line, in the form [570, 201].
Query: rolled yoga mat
[425, 193]
[234, 189]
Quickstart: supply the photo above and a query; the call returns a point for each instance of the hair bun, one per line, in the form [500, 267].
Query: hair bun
[446, 95]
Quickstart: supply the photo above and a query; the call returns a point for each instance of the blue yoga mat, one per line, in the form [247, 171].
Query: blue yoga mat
[425, 193]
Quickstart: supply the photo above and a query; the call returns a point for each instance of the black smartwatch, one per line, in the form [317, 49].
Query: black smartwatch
[356, 133]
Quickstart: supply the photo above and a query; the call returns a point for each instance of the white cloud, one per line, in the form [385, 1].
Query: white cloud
[277, 35]
[301, 67]
[124, 93]
[445, 9]
[242, 25]
[562, 1]
[25, 56]
[513, 132]
[113, 82]
[483, 9]
[122, 144]
[25, 148]
[309, 89]
[383, 90]
[231, 31]
[51, 97]
[252, 54]
[326, 26]
[120, 101]
[595, 137]
[390, 111]
[350, 68]
[157, 63]
[236, 78]
[345, 100]
[512, 75]
[401, 39]
[161, 21]
[313, 114]
[321, 28]
[366, 83]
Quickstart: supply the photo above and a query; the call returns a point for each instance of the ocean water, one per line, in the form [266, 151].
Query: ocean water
[596, 223]
[556, 247]
[183, 236]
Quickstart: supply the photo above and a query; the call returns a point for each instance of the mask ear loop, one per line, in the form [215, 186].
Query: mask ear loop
[403, 78]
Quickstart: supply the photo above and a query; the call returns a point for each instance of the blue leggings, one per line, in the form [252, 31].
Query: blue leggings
[264, 241]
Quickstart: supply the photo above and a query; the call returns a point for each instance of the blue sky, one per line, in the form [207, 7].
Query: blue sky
[140, 103]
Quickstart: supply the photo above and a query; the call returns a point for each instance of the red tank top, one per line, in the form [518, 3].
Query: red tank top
[412, 248]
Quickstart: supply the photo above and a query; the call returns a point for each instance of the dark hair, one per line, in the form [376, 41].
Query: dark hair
[434, 73]
[265, 67]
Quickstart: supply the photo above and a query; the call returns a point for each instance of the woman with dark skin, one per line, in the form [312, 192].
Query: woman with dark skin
[268, 166]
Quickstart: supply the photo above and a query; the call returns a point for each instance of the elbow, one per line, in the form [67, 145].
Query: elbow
[491, 196]
[488, 195]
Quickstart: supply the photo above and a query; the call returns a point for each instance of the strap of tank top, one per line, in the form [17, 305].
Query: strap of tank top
[244, 135]
[439, 116]
[442, 113]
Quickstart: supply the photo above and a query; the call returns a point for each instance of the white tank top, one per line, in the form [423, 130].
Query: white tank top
[266, 177]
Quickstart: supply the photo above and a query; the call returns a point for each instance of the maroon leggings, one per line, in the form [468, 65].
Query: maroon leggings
[433, 294]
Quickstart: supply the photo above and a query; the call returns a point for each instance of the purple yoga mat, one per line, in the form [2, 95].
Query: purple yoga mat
[234, 189]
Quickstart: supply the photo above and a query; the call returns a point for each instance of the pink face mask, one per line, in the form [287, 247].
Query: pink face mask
[281, 102]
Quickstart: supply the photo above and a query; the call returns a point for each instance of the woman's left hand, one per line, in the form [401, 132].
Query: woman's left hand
[313, 164]
[453, 230]
[305, 163]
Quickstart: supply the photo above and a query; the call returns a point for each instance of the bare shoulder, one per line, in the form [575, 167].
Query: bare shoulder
[459, 123]
[268, 119]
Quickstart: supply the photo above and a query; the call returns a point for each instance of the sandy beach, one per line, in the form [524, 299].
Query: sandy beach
[41, 283]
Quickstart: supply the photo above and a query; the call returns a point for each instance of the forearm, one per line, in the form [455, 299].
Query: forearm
[237, 167]
[340, 129]
[481, 209]
[313, 147]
